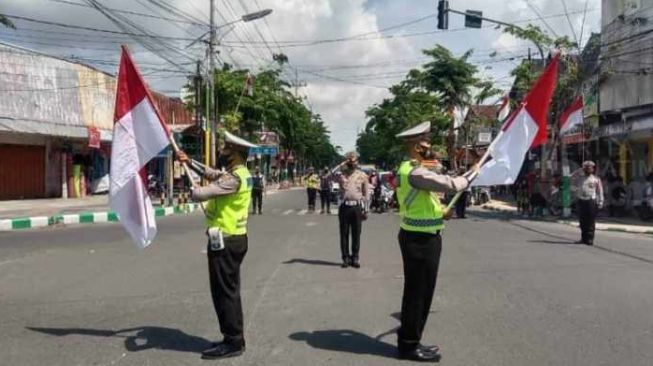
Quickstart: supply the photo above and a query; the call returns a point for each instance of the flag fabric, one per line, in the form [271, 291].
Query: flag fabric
[504, 110]
[524, 129]
[139, 134]
[572, 116]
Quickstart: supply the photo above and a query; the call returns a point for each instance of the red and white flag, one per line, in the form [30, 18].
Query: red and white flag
[504, 110]
[572, 116]
[139, 134]
[525, 128]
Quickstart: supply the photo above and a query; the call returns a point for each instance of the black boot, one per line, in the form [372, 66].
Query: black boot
[223, 350]
[355, 263]
[345, 262]
[420, 353]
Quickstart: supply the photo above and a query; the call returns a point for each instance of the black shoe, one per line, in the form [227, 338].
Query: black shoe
[355, 264]
[345, 263]
[223, 350]
[590, 242]
[420, 354]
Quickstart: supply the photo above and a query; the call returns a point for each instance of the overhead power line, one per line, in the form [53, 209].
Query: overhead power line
[27, 19]
[135, 13]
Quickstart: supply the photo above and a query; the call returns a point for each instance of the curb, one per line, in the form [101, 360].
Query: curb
[86, 218]
[572, 223]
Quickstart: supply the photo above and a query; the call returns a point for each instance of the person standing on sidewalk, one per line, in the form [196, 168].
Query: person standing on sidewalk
[590, 200]
[258, 188]
[227, 212]
[422, 221]
[312, 182]
[325, 191]
[355, 194]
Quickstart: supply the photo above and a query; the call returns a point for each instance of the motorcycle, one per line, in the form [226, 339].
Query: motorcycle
[383, 201]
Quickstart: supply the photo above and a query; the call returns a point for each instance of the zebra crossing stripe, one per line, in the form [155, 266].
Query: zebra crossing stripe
[288, 212]
[302, 212]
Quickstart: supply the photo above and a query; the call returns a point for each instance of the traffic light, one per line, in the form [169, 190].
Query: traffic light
[443, 14]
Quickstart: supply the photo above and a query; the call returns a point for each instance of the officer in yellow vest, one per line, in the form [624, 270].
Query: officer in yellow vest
[227, 211]
[422, 221]
[312, 182]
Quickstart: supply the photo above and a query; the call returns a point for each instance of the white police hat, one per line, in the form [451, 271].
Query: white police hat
[417, 131]
[232, 139]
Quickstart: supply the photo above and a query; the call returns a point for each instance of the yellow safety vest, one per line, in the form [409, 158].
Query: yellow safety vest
[420, 210]
[312, 181]
[229, 213]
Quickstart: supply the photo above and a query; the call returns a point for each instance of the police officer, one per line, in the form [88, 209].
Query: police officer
[355, 194]
[227, 211]
[420, 238]
[258, 187]
[312, 182]
[590, 200]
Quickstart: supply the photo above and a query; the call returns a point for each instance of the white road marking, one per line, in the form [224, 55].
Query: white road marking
[311, 223]
[288, 212]
[302, 212]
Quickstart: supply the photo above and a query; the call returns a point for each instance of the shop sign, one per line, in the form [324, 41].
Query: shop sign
[94, 137]
[264, 150]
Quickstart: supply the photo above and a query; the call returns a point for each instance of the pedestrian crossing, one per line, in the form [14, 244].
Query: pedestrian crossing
[303, 212]
[296, 212]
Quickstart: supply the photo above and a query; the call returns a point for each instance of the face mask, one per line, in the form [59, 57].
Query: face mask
[224, 161]
[427, 154]
[351, 165]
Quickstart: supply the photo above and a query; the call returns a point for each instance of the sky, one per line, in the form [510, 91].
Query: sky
[343, 54]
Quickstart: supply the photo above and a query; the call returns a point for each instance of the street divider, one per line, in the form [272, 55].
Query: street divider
[633, 229]
[86, 218]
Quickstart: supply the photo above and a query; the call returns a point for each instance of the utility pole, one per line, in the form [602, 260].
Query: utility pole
[297, 83]
[213, 115]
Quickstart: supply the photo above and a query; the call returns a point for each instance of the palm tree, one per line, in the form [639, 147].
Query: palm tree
[452, 79]
[6, 22]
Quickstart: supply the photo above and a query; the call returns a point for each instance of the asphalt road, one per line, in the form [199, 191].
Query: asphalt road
[509, 293]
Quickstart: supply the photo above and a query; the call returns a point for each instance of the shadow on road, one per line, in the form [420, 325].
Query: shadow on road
[344, 340]
[315, 262]
[552, 242]
[139, 338]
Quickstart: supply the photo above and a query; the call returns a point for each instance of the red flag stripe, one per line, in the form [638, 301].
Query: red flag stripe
[576, 105]
[132, 89]
[539, 99]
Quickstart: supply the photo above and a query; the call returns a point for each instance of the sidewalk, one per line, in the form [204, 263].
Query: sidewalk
[26, 214]
[621, 224]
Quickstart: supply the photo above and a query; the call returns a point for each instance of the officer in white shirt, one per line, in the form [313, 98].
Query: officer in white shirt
[590, 200]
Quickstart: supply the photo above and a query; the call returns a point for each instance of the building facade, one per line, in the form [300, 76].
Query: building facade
[626, 88]
[56, 120]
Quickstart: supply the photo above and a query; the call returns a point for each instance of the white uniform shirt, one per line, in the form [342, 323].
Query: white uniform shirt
[590, 188]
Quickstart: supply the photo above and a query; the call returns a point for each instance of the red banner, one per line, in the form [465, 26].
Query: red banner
[93, 137]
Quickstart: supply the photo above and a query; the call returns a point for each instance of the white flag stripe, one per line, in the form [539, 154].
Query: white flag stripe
[509, 151]
[575, 119]
[137, 138]
[133, 206]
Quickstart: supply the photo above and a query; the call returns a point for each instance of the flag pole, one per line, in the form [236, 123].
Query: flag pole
[480, 164]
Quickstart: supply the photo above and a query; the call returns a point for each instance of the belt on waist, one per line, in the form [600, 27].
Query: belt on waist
[351, 203]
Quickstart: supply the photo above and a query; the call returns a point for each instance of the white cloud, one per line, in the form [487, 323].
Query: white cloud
[342, 105]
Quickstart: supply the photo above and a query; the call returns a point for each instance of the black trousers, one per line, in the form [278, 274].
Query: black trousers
[325, 200]
[421, 256]
[312, 193]
[257, 200]
[224, 277]
[351, 221]
[461, 205]
[587, 216]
